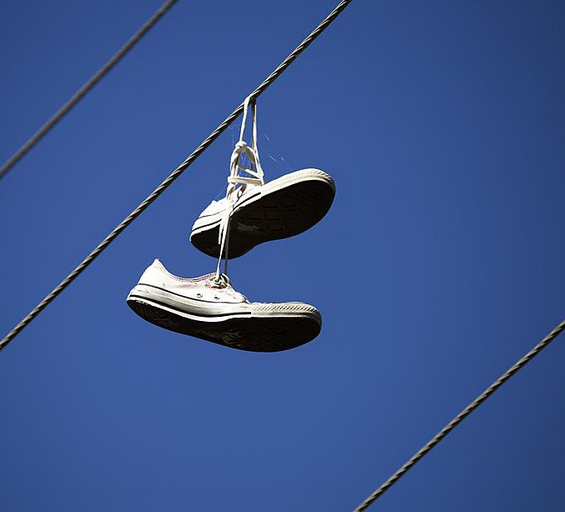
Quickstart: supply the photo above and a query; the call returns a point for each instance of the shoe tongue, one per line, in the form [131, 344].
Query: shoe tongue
[225, 284]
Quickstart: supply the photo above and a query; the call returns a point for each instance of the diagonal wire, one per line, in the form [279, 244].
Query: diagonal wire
[461, 416]
[103, 71]
[174, 175]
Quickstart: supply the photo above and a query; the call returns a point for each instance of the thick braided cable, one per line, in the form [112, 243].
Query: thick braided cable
[461, 416]
[174, 175]
[104, 70]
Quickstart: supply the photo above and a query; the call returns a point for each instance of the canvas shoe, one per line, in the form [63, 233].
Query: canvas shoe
[254, 211]
[279, 209]
[208, 307]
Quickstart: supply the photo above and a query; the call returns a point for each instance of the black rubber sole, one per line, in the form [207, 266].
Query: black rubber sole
[281, 214]
[271, 334]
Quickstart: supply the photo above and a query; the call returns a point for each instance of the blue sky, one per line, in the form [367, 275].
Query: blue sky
[438, 266]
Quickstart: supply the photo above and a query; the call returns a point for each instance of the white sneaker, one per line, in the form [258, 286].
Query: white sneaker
[279, 209]
[209, 308]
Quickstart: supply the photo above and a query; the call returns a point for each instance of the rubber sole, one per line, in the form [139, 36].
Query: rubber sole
[250, 333]
[282, 213]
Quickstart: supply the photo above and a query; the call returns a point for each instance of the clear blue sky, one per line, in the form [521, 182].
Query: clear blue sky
[439, 265]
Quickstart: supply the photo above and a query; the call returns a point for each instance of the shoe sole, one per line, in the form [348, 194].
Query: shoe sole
[285, 207]
[264, 328]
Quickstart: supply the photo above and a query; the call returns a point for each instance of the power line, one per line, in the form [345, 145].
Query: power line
[103, 71]
[461, 416]
[174, 175]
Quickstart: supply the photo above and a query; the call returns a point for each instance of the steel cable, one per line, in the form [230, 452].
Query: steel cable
[174, 175]
[460, 417]
[103, 71]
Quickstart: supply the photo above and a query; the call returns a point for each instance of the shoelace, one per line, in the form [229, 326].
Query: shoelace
[255, 178]
[220, 281]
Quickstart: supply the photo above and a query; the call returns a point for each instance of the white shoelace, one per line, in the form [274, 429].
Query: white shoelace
[255, 178]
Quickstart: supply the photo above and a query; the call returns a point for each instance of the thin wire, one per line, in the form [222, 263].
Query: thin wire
[104, 70]
[174, 175]
[461, 416]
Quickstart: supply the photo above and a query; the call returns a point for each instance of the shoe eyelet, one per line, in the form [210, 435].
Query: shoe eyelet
[216, 297]
[199, 295]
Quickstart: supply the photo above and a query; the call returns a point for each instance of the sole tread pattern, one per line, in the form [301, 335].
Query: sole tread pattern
[277, 215]
[263, 334]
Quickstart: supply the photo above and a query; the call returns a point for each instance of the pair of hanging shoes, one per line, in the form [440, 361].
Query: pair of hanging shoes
[252, 213]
